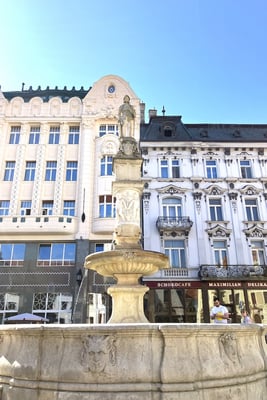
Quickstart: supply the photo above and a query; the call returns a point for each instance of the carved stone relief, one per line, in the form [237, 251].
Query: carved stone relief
[98, 353]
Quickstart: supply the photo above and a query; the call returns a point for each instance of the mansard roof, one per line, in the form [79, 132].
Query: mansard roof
[47, 94]
[172, 129]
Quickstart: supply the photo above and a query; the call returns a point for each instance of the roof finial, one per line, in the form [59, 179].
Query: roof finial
[22, 86]
[163, 111]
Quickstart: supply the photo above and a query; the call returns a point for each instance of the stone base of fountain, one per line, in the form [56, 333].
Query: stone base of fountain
[133, 361]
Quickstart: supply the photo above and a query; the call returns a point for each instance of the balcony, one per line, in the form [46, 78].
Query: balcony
[207, 272]
[174, 225]
[38, 225]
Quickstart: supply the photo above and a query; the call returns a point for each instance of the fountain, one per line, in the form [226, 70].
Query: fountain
[129, 358]
[127, 262]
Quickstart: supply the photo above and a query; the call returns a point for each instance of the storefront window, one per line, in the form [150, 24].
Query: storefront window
[174, 305]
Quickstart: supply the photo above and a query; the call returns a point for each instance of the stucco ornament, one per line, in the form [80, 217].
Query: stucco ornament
[228, 348]
[98, 352]
[126, 117]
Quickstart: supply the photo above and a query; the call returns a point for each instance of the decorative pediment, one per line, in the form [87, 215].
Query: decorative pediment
[219, 231]
[249, 190]
[171, 189]
[214, 190]
[255, 231]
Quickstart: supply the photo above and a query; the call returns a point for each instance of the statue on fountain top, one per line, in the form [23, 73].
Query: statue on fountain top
[126, 118]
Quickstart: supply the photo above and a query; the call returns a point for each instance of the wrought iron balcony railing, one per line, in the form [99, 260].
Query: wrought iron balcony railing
[208, 271]
[174, 224]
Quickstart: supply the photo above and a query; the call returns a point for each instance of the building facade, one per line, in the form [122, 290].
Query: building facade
[204, 205]
[56, 205]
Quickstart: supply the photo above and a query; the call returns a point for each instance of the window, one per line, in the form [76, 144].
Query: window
[99, 247]
[220, 252]
[111, 129]
[106, 165]
[14, 135]
[175, 250]
[30, 171]
[215, 206]
[57, 254]
[4, 207]
[169, 168]
[47, 207]
[51, 171]
[54, 135]
[9, 305]
[107, 207]
[9, 171]
[74, 133]
[211, 169]
[71, 171]
[172, 207]
[12, 254]
[69, 207]
[25, 207]
[164, 170]
[251, 210]
[257, 248]
[245, 168]
[34, 135]
[56, 307]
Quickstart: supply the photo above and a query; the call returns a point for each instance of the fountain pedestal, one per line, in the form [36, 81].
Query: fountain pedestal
[127, 266]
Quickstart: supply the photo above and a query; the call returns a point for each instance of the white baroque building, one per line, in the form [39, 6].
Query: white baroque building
[204, 205]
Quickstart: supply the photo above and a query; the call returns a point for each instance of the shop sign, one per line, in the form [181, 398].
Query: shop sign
[173, 285]
[225, 284]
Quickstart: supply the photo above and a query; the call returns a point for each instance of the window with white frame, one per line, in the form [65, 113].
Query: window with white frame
[51, 170]
[56, 254]
[47, 207]
[14, 135]
[245, 168]
[9, 305]
[251, 207]
[258, 252]
[105, 129]
[175, 250]
[169, 168]
[56, 307]
[220, 252]
[9, 170]
[4, 207]
[107, 206]
[25, 207]
[172, 207]
[54, 135]
[106, 165]
[215, 208]
[30, 171]
[74, 134]
[71, 171]
[211, 169]
[69, 207]
[12, 254]
[34, 137]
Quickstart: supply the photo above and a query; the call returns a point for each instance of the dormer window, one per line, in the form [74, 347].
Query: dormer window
[168, 131]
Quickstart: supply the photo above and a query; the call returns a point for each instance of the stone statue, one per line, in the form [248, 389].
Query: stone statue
[126, 117]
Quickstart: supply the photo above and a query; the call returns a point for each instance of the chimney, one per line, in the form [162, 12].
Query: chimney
[152, 113]
[142, 112]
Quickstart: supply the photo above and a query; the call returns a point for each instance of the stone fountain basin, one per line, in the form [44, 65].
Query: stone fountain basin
[132, 263]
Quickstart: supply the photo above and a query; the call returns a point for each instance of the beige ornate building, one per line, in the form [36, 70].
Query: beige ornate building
[56, 205]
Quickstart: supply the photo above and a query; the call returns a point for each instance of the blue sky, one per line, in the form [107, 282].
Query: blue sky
[205, 60]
